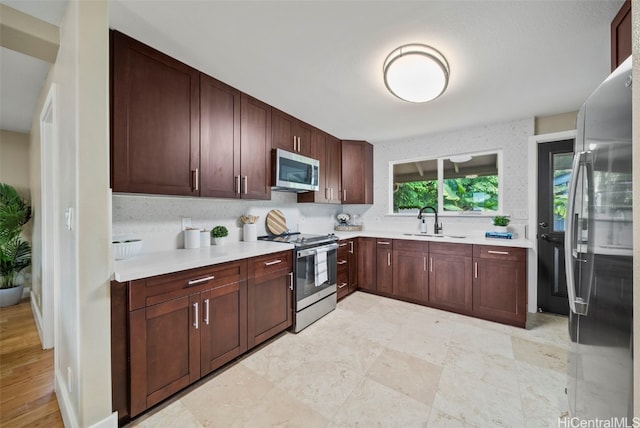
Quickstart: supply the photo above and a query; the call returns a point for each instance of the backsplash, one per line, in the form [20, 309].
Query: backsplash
[158, 219]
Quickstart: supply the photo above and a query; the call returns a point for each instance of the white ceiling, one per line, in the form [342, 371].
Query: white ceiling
[321, 61]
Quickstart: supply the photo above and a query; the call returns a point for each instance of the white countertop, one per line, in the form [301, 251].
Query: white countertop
[468, 239]
[159, 263]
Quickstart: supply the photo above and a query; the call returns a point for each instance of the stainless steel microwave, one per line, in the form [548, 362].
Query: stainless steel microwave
[293, 172]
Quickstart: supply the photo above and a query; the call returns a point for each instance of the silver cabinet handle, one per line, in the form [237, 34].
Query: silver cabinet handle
[384, 243]
[200, 280]
[344, 284]
[342, 262]
[238, 184]
[475, 269]
[326, 193]
[291, 281]
[344, 244]
[246, 184]
[275, 262]
[344, 195]
[294, 143]
[351, 247]
[430, 264]
[389, 258]
[424, 263]
[331, 193]
[195, 315]
[206, 311]
[506, 253]
[194, 179]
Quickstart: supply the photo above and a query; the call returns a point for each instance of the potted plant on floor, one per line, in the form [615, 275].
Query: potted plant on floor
[500, 223]
[15, 252]
[219, 235]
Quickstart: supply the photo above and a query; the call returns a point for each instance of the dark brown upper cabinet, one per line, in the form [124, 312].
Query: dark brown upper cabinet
[328, 151]
[357, 172]
[255, 148]
[621, 35]
[291, 134]
[155, 137]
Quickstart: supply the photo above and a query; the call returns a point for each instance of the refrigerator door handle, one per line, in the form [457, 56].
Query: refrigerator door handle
[572, 222]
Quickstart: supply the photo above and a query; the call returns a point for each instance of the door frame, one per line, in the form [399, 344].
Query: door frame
[48, 223]
[532, 224]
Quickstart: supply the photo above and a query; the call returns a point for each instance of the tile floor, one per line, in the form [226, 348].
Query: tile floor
[377, 362]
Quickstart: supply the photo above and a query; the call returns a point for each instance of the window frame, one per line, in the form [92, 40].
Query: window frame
[440, 172]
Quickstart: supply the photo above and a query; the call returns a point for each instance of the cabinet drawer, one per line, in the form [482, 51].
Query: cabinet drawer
[409, 245]
[269, 263]
[465, 250]
[384, 243]
[500, 253]
[157, 289]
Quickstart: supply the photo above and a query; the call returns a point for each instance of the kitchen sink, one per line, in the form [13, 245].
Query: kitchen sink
[432, 235]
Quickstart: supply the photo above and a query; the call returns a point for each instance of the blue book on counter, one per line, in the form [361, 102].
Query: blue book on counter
[499, 235]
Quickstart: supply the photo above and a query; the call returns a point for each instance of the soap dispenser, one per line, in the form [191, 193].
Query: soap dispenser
[422, 223]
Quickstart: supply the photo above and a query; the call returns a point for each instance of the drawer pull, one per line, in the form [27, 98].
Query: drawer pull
[344, 284]
[342, 245]
[342, 262]
[201, 280]
[505, 253]
[275, 262]
[351, 247]
[206, 311]
[384, 243]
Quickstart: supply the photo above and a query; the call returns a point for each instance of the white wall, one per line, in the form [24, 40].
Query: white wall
[82, 363]
[157, 219]
[511, 137]
[14, 160]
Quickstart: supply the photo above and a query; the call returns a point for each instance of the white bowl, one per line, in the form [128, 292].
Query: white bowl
[127, 249]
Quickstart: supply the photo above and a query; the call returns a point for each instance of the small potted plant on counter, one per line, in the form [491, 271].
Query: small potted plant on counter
[500, 223]
[219, 235]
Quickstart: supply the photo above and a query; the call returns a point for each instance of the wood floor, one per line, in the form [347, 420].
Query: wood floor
[27, 397]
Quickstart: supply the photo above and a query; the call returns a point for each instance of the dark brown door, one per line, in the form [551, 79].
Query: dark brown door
[353, 172]
[303, 133]
[219, 139]
[283, 129]
[554, 173]
[384, 261]
[450, 281]
[333, 164]
[255, 145]
[410, 275]
[270, 306]
[155, 141]
[165, 350]
[224, 325]
[367, 258]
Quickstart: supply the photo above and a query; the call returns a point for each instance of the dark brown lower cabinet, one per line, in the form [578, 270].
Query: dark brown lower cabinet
[410, 277]
[170, 330]
[347, 280]
[367, 263]
[450, 276]
[270, 297]
[500, 284]
[384, 266]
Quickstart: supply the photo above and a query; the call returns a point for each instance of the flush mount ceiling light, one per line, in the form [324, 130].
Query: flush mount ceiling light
[416, 73]
[460, 158]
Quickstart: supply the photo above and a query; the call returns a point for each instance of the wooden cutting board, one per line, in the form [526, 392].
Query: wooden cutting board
[276, 222]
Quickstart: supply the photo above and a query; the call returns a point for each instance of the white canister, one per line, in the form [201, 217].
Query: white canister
[249, 232]
[205, 238]
[192, 238]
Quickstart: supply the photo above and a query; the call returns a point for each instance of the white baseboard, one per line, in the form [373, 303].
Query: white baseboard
[69, 416]
[37, 316]
[110, 421]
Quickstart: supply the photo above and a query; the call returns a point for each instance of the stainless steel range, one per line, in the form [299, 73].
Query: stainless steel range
[315, 270]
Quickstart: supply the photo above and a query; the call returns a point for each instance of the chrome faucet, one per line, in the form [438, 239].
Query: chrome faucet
[437, 227]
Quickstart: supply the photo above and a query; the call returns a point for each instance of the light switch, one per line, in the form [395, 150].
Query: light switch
[68, 218]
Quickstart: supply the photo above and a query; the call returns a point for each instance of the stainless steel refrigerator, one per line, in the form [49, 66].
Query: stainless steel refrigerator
[598, 255]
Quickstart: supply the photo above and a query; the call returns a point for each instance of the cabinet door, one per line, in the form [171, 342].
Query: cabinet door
[319, 152]
[333, 178]
[384, 261]
[255, 148]
[353, 264]
[155, 141]
[303, 133]
[165, 350]
[499, 290]
[621, 35]
[343, 269]
[282, 131]
[224, 325]
[450, 282]
[367, 259]
[270, 306]
[357, 172]
[219, 139]
[410, 275]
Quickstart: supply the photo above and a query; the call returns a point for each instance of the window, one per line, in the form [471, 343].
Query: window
[460, 184]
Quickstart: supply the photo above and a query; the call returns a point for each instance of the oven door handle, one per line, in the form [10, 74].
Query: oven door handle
[314, 250]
